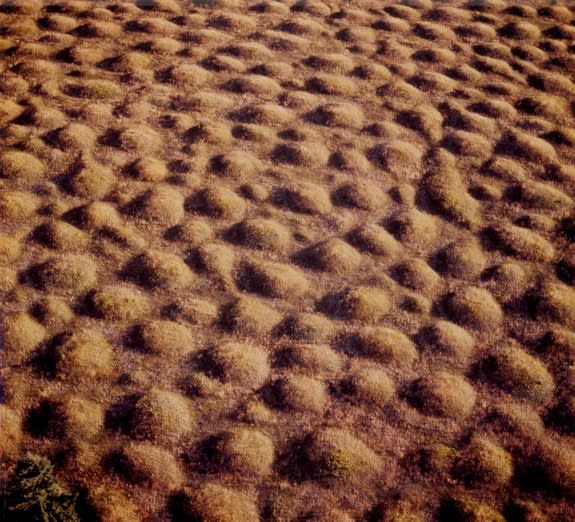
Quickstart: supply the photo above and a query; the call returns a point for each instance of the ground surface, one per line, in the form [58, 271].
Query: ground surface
[291, 260]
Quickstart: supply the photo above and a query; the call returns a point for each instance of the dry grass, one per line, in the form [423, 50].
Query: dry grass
[443, 394]
[161, 416]
[246, 451]
[22, 334]
[159, 270]
[212, 502]
[332, 255]
[388, 345]
[241, 364]
[474, 307]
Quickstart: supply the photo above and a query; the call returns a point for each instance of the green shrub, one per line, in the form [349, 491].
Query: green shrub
[33, 494]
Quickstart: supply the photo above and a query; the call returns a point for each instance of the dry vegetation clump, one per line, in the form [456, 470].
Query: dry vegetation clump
[542, 196]
[82, 418]
[95, 216]
[262, 234]
[96, 89]
[484, 462]
[193, 232]
[398, 157]
[119, 303]
[363, 303]
[211, 502]
[186, 75]
[22, 167]
[350, 160]
[218, 202]
[446, 189]
[16, 205]
[255, 84]
[331, 255]
[521, 243]
[218, 260]
[474, 307]
[301, 153]
[159, 270]
[364, 195]
[507, 280]
[236, 164]
[461, 259]
[447, 343]
[467, 509]
[268, 114]
[246, 451]
[162, 204]
[345, 115]
[241, 364]
[220, 63]
[324, 83]
[414, 228]
[62, 236]
[308, 198]
[84, 354]
[10, 432]
[305, 326]
[375, 240]
[67, 273]
[443, 394]
[89, 179]
[272, 279]
[111, 505]
[301, 393]
[212, 132]
[337, 455]
[140, 139]
[161, 416]
[8, 279]
[194, 311]
[147, 464]
[10, 248]
[371, 384]
[315, 359]
[416, 274]
[53, 311]
[148, 168]
[425, 119]
[21, 335]
[521, 145]
[556, 302]
[163, 337]
[388, 345]
[250, 316]
[75, 136]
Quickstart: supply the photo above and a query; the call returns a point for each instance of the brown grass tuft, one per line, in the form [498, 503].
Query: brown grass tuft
[416, 274]
[443, 394]
[162, 204]
[250, 316]
[21, 167]
[556, 302]
[211, 502]
[301, 393]
[372, 385]
[388, 345]
[364, 195]
[21, 335]
[272, 279]
[158, 269]
[85, 354]
[364, 303]
[148, 168]
[521, 243]
[398, 157]
[241, 364]
[474, 307]
[332, 255]
[447, 343]
[337, 455]
[219, 202]
[464, 260]
[308, 198]
[147, 464]
[305, 326]
[16, 205]
[161, 416]
[166, 338]
[375, 240]
[245, 451]
[262, 234]
[67, 273]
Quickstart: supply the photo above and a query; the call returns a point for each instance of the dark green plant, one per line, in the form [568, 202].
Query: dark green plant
[33, 494]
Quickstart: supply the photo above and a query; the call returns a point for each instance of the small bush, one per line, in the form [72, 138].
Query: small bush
[33, 494]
